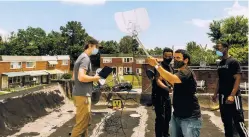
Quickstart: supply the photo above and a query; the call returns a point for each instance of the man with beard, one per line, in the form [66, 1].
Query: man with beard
[186, 119]
[161, 98]
[230, 102]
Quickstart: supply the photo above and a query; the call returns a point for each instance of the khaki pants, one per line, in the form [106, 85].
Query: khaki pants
[83, 116]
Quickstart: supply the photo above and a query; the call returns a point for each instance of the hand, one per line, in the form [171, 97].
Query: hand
[171, 90]
[152, 61]
[96, 78]
[230, 100]
[214, 98]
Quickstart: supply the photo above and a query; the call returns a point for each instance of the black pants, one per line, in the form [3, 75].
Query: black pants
[232, 114]
[163, 115]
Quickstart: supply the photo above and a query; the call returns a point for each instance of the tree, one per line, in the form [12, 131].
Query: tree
[200, 54]
[56, 44]
[234, 31]
[125, 45]
[109, 47]
[215, 28]
[192, 46]
[241, 54]
[28, 42]
[74, 37]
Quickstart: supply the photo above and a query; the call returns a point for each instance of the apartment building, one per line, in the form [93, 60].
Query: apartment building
[25, 70]
[124, 64]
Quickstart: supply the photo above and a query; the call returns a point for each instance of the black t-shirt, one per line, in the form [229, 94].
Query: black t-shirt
[227, 68]
[159, 91]
[185, 103]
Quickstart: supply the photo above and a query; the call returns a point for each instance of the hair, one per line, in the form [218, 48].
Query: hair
[184, 53]
[91, 42]
[167, 50]
[224, 44]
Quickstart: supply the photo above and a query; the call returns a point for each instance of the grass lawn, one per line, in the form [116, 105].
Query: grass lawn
[135, 81]
[1, 93]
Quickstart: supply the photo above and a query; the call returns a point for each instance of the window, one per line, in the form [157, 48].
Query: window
[15, 65]
[27, 79]
[128, 69]
[51, 65]
[30, 64]
[18, 79]
[138, 70]
[127, 60]
[10, 80]
[64, 62]
[140, 61]
[107, 60]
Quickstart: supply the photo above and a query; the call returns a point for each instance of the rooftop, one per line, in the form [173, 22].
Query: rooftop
[127, 55]
[34, 58]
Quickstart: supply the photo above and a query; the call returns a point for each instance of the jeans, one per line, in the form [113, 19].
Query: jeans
[187, 127]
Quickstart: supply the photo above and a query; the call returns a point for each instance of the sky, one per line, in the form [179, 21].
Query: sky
[171, 22]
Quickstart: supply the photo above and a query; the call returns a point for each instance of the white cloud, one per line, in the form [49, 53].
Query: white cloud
[85, 2]
[200, 22]
[4, 34]
[235, 10]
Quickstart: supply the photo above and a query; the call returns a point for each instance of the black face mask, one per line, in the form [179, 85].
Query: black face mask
[178, 64]
[167, 60]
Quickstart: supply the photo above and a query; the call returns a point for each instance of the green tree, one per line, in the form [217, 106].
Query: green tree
[240, 53]
[125, 45]
[215, 31]
[56, 44]
[109, 47]
[234, 31]
[200, 54]
[192, 46]
[158, 51]
[28, 42]
[74, 37]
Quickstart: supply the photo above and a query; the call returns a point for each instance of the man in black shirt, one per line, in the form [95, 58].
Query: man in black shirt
[231, 110]
[161, 98]
[186, 119]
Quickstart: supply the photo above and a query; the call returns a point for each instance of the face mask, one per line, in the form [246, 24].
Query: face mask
[167, 60]
[220, 54]
[95, 51]
[178, 64]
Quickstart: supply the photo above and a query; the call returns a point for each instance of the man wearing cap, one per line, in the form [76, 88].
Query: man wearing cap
[83, 87]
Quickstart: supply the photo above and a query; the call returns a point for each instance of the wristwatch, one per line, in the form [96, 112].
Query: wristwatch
[157, 66]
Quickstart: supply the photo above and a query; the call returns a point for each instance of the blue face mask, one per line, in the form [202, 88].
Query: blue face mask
[220, 54]
[95, 51]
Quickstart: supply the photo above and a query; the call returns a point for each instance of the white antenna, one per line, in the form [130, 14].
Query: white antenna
[133, 22]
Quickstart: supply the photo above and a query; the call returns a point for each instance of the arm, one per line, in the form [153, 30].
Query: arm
[160, 83]
[171, 78]
[83, 77]
[236, 84]
[73, 76]
[236, 71]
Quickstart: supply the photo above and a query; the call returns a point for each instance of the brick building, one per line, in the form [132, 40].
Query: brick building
[207, 74]
[25, 70]
[124, 63]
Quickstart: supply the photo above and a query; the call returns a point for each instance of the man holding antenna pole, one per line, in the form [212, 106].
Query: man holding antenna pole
[186, 119]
